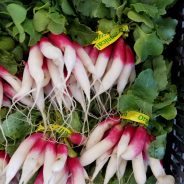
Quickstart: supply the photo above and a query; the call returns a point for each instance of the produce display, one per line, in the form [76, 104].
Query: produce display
[85, 91]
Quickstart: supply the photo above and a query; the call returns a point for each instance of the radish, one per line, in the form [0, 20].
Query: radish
[14, 82]
[10, 92]
[138, 169]
[111, 167]
[50, 157]
[121, 168]
[1, 93]
[76, 171]
[84, 57]
[100, 162]
[61, 157]
[26, 85]
[97, 134]
[82, 78]
[101, 147]
[6, 102]
[126, 72]
[102, 61]
[60, 177]
[64, 43]
[4, 159]
[117, 65]
[33, 161]
[127, 135]
[46, 74]
[136, 144]
[39, 178]
[88, 48]
[165, 179]
[19, 156]
[93, 54]
[77, 138]
[51, 52]
[78, 94]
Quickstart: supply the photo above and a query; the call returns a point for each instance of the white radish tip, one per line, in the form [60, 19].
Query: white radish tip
[165, 179]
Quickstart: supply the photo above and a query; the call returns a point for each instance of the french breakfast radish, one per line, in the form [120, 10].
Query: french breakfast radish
[112, 75]
[20, 155]
[136, 144]
[93, 54]
[77, 138]
[39, 177]
[97, 134]
[101, 147]
[121, 168]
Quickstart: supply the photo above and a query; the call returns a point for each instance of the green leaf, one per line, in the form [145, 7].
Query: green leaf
[157, 147]
[11, 147]
[99, 179]
[66, 7]
[151, 180]
[34, 36]
[17, 13]
[7, 59]
[18, 53]
[100, 11]
[127, 102]
[166, 29]
[81, 33]
[41, 20]
[16, 125]
[140, 18]
[6, 43]
[111, 4]
[75, 122]
[160, 72]
[145, 86]
[106, 25]
[150, 10]
[169, 112]
[147, 45]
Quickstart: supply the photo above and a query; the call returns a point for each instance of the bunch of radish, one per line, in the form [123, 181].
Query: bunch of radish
[65, 72]
[111, 141]
[53, 159]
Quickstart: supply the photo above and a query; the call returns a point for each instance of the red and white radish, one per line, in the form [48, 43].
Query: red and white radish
[39, 177]
[77, 138]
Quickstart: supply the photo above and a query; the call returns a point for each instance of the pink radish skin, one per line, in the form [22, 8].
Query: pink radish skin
[26, 84]
[102, 61]
[12, 80]
[76, 171]
[88, 49]
[6, 102]
[84, 57]
[4, 159]
[77, 138]
[93, 54]
[19, 156]
[101, 147]
[82, 78]
[61, 157]
[121, 168]
[139, 169]
[78, 94]
[136, 144]
[111, 166]
[64, 43]
[9, 91]
[33, 161]
[50, 157]
[117, 65]
[100, 162]
[128, 133]
[1, 93]
[126, 72]
[39, 178]
[97, 134]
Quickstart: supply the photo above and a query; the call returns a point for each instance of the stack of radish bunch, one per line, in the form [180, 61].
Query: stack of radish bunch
[121, 144]
[66, 72]
[57, 166]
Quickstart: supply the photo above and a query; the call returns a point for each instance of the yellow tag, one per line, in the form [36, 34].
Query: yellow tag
[104, 40]
[136, 116]
[54, 127]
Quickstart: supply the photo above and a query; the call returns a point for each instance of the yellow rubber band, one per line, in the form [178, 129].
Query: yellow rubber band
[136, 116]
[54, 127]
